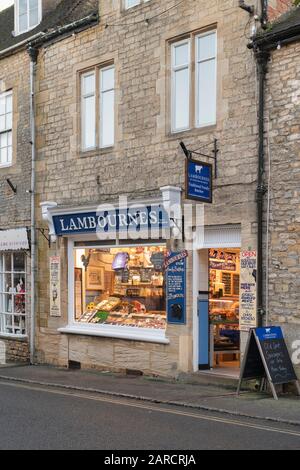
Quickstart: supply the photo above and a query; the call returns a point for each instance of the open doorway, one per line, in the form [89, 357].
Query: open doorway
[224, 303]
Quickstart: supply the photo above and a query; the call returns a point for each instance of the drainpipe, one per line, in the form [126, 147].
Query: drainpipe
[262, 58]
[33, 53]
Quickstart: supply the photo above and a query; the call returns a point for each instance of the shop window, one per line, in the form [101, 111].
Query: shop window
[122, 287]
[28, 14]
[12, 294]
[6, 128]
[133, 3]
[98, 122]
[224, 302]
[194, 82]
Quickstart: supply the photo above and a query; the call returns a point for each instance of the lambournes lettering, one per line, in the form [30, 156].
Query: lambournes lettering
[107, 221]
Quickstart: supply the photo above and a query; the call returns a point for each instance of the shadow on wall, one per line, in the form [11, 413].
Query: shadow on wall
[2, 353]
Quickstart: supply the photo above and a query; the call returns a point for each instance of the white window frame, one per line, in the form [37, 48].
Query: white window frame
[107, 331]
[197, 61]
[98, 93]
[193, 91]
[4, 326]
[90, 73]
[17, 17]
[7, 130]
[175, 69]
[137, 2]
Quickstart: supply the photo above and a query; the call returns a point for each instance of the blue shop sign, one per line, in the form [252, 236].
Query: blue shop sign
[176, 287]
[198, 181]
[136, 219]
[273, 332]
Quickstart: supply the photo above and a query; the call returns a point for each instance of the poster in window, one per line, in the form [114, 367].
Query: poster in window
[248, 300]
[78, 293]
[55, 310]
[95, 278]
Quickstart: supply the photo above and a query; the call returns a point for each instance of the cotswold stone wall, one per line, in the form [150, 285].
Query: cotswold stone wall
[146, 155]
[283, 98]
[15, 208]
[12, 350]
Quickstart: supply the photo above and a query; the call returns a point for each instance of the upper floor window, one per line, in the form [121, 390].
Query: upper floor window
[133, 3]
[28, 14]
[6, 128]
[194, 82]
[98, 108]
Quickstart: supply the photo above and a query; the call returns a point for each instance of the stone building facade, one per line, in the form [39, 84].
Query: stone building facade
[282, 175]
[145, 158]
[16, 167]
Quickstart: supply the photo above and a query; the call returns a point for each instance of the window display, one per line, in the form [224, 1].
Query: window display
[224, 269]
[12, 294]
[121, 286]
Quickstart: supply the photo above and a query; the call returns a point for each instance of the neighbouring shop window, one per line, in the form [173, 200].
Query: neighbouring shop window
[122, 287]
[98, 122]
[28, 14]
[6, 128]
[12, 294]
[194, 81]
[133, 3]
[224, 304]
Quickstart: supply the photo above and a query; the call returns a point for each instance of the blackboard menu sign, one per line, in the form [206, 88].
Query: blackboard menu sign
[176, 288]
[267, 356]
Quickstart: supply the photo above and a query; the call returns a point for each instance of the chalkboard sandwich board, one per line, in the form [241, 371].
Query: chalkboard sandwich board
[267, 357]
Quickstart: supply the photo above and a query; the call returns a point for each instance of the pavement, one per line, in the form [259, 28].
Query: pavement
[218, 398]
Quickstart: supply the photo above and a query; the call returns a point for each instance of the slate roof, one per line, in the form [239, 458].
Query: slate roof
[287, 25]
[65, 13]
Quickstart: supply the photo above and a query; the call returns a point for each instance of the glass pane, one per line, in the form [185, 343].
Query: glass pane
[19, 298]
[8, 104]
[33, 4]
[7, 262]
[19, 262]
[3, 140]
[3, 156]
[2, 123]
[23, 23]
[9, 121]
[9, 138]
[107, 79]
[181, 99]
[181, 54]
[7, 303]
[22, 7]
[89, 122]
[107, 119]
[206, 93]
[9, 154]
[2, 105]
[132, 3]
[33, 17]
[7, 286]
[207, 46]
[88, 84]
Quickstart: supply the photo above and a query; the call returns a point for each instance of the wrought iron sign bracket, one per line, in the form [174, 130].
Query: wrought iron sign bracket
[42, 231]
[189, 154]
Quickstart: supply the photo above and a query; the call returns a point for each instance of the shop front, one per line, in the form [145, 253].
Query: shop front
[122, 303]
[14, 302]
[224, 298]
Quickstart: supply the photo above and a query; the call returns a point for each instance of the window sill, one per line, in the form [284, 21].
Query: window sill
[107, 331]
[6, 165]
[194, 130]
[13, 337]
[96, 152]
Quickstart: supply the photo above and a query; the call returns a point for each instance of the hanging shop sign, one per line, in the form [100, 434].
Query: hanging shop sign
[175, 265]
[118, 220]
[248, 296]
[199, 181]
[55, 310]
[267, 357]
[14, 240]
